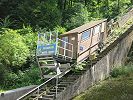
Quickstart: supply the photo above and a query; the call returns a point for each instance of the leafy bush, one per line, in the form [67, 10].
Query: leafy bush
[124, 70]
[3, 72]
[29, 37]
[79, 67]
[13, 51]
[60, 29]
[21, 79]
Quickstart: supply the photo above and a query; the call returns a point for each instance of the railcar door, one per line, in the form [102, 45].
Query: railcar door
[84, 44]
[95, 38]
[102, 35]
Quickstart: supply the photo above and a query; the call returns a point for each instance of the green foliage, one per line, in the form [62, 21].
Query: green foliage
[3, 72]
[60, 29]
[124, 70]
[79, 66]
[6, 22]
[20, 79]
[36, 13]
[75, 16]
[51, 13]
[29, 37]
[13, 51]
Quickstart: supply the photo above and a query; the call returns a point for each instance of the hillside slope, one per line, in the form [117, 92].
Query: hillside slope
[118, 87]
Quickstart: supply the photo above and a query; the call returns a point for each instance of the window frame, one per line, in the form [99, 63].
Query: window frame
[65, 39]
[86, 37]
[95, 31]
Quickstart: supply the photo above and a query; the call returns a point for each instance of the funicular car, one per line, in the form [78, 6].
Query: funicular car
[75, 45]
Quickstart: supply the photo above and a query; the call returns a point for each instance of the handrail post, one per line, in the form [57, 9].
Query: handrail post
[38, 91]
[56, 86]
[72, 51]
[56, 46]
[64, 49]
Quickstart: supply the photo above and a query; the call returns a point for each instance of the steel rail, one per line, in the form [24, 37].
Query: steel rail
[43, 84]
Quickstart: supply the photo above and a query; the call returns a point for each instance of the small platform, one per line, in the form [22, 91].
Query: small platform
[53, 55]
[60, 59]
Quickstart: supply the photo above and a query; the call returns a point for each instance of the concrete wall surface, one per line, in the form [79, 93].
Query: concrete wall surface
[114, 55]
[14, 94]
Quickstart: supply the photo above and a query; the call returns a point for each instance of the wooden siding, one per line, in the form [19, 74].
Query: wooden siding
[90, 44]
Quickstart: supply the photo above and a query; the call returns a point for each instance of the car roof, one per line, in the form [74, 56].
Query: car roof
[84, 27]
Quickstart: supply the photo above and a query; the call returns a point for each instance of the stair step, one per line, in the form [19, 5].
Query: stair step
[44, 98]
[60, 88]
[51, 93]
[70, 78]
[48, 76]
[49, 96]
[66, 82]
[45, 58]
[50, 66]
[42, 91]
[54, 90]
[62, 85]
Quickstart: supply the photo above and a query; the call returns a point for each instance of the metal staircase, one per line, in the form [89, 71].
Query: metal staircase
[53, 54]
[49, 67]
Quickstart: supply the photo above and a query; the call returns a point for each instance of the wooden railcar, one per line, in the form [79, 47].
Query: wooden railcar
[56, 53]
[86, 38]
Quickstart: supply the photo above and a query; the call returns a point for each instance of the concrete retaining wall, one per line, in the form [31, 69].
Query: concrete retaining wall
[115, 55]
[14, 94]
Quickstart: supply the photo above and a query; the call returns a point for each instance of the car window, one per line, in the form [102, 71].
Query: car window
[65, 39]
[97, 29]
[85, 35]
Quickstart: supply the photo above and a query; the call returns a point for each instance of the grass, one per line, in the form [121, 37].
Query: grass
[117, 87]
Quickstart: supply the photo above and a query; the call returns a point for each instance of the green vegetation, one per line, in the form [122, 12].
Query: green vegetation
[17, 51]
[13, 80]
[52, 13]
[13, 51]
[118, 87]
[20, 20]
[75, 16]
[117, 31]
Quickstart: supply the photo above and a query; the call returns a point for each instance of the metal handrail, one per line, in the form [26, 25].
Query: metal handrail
[65, 49]
[65, 56]
[65, 41]
[38, 87]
